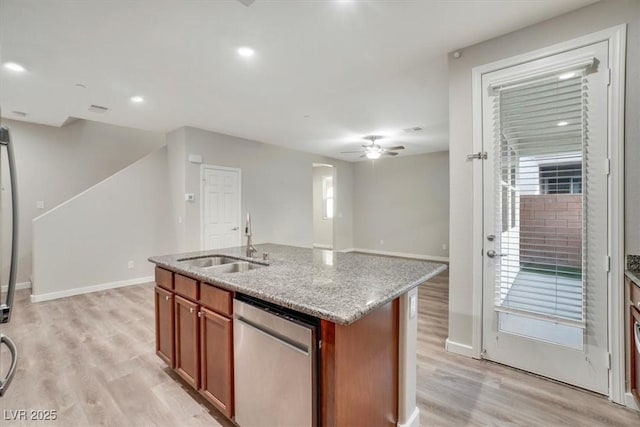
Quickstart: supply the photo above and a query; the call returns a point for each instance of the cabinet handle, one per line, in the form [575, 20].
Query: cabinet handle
[200, 314]
[191, 309]
[167, 297]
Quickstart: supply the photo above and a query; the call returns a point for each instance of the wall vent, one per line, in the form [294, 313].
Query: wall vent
[413, 129]
[98, 109]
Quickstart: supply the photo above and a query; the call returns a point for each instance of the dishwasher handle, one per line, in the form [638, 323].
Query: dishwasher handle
[4, 383]
[282, 340]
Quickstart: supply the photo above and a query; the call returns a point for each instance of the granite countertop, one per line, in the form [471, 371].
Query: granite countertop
[335, 286]
[633, 275]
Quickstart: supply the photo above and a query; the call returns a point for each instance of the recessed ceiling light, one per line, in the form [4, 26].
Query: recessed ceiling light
[14, 67]
[566, 76]
[137, 99]
[246, 52]
[562, 123]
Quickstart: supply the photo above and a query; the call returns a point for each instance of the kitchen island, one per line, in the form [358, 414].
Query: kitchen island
[365, 307]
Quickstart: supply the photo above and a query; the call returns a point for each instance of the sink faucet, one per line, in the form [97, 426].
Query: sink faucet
[251, 250]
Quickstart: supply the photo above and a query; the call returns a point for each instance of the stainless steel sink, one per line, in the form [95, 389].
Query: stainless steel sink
[221, 264]
[211, 261]
[236, 267]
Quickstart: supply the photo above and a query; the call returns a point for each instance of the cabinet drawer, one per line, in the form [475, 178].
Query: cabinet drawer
[216, 299]
[164, 278]
[186, 287]
[634, 294]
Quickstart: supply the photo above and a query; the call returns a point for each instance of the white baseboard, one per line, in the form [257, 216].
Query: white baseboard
[21, 285]
[346, 250]
[413, 421]
[398, 254]
[90, 289]
[630, 402]
[319, 246]
[457, 348]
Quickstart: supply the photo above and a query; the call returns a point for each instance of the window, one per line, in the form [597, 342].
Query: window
[327, 197]
[561, 178]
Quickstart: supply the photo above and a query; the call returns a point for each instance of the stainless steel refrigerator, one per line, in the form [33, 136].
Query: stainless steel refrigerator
[6, 145]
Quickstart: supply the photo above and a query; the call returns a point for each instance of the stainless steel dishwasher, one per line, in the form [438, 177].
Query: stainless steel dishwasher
[275, 371]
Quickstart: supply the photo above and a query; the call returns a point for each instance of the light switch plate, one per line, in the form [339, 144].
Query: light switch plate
[195, 158]
[189, 197]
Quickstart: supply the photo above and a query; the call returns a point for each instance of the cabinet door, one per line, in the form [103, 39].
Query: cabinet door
[186, 346]
[216, 341]
[164, 325]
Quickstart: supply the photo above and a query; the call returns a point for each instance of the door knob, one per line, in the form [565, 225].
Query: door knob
[235, 228]
[492, 254]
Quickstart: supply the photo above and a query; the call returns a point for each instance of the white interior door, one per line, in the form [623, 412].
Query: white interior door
[220, 208]
[545, 193]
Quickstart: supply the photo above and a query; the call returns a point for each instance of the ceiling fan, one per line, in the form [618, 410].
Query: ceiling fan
[247, 2]
[374, 151]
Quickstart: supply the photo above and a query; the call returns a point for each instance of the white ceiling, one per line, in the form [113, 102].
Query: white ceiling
[325, 73]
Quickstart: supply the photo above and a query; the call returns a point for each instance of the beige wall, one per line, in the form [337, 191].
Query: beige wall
[402, 205]
[54, 164]
[87, 242]
[276, 188]
[176, 147]
[587, 20]
[322, 227]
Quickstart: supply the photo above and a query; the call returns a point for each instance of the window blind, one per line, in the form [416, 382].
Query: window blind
[541, 143]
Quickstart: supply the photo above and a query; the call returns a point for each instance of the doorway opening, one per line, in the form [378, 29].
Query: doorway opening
[324, 205]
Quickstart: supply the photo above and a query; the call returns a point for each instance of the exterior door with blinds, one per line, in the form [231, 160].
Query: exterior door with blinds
[545, 183]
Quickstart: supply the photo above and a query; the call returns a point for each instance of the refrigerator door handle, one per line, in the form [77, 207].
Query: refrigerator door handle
[5, 308]
[4, 383]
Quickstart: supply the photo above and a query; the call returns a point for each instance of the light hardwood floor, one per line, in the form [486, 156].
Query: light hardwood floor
[91, 358]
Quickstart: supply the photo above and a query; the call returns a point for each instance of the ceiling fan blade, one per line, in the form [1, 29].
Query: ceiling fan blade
[390, 153]
[247, 2]
[364, 155]
[367, 145]
[399, 147]
[350, 152]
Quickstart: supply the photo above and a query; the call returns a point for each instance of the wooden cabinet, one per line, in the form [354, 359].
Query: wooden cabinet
[164, 278]
[216, 352]
[187, 339]
[164, 325]
[194, 335]
[634, 339]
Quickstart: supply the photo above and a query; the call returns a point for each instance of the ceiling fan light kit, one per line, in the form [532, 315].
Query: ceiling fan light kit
[373, 155]
[373, 151]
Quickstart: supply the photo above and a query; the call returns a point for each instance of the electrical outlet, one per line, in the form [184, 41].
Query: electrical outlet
[413, 306]
[381, 242]
[444, 246]
[179, 220]
[130, 264]
[40, 204]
